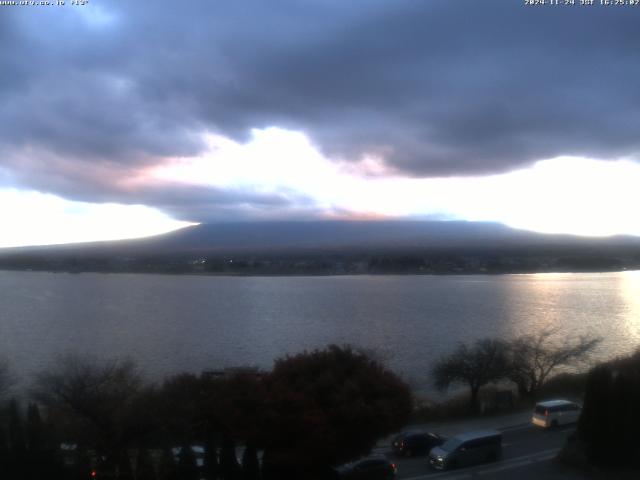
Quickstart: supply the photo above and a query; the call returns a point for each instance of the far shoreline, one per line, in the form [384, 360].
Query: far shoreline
[310, 275]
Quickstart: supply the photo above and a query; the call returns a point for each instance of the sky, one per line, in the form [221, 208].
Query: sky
[123, 119]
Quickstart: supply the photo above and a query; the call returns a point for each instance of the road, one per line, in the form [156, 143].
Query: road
[527, 454]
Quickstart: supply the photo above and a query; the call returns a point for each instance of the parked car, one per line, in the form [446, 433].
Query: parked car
[467, 449]
[553, 413]
[408, 444]
[369, 468]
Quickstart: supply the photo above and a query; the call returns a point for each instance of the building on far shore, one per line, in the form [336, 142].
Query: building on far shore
[232, 371]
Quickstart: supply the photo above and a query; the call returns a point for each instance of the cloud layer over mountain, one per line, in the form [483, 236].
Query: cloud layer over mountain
[92, 97]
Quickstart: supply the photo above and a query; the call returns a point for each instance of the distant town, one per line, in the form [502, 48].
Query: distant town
[440, 262]
[337, 248]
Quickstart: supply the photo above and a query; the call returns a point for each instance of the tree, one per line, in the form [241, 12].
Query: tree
[17, 445]
[250, 464]
[17, 448]
[40, 449]
[610, 411]
[210, 465]
[125, 472]
[144, 466]
[229, 467]
[4, 455]
[187, 464]
[475, 365]
[36, 441]
[104, 404]
[82, 464]
[532, 358]
[168, 469]
[182, 403]
[327, 407]
[239, 403]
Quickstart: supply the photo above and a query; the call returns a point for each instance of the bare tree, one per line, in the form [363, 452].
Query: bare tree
[475, 365]
[103, 404]
[532, 358]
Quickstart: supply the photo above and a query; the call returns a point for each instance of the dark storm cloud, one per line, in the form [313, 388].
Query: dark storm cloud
[209, 204]
[435, 87]
[119, 183]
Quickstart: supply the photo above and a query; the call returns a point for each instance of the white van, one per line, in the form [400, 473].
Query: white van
[553, 413]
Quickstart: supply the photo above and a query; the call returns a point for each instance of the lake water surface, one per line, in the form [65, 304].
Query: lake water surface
[174, 323]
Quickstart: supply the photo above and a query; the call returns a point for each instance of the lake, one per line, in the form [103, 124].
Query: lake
[176, 323]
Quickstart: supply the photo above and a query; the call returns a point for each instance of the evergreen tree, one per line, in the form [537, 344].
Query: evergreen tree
[210, 467]
[229, 467]
[250, 464]
[125, 472]
[16, 460]
[187, 464]
[16, 433]
[36, 443]
[167, 470]
[82, 468]
[626, 439]
[144, 466]
[41, 454]
[610, 410]
[4, 454]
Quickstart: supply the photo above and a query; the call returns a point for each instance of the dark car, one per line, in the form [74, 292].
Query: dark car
[466, 449]
[370, 468]
[408, 444]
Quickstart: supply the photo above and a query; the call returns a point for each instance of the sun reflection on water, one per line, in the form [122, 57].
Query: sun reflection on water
[630, 290]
